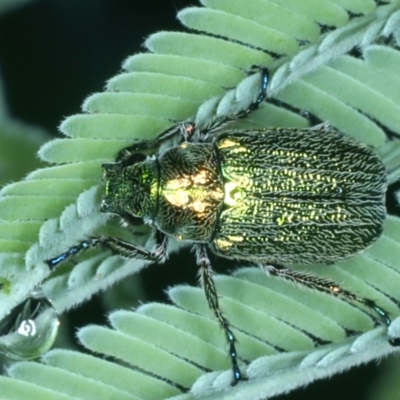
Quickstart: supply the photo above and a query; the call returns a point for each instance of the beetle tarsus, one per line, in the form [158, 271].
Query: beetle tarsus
[263, 89]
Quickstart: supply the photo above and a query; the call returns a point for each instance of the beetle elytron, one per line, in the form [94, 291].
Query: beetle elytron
[267, 196]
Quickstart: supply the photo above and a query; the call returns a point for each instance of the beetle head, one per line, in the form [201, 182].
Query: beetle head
[131, 189]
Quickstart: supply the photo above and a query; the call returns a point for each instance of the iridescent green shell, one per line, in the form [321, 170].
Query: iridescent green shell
[268, 195]
[298, 196]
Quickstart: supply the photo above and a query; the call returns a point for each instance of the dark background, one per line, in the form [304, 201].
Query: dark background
[53, 54]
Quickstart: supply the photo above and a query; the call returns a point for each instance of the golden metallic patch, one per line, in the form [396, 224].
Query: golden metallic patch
[192, 192]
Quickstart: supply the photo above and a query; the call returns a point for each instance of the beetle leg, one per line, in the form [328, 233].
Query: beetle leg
[219, 122]
[117, 246]
[207, 282]
[326, 286]
[186, 130]
[253, 106]
[154, 144]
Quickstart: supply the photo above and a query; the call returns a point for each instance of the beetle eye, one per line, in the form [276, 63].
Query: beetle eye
[103, 206]
[131, 220]
[134, 158]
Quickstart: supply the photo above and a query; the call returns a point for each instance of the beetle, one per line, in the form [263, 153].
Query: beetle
[270, 196]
